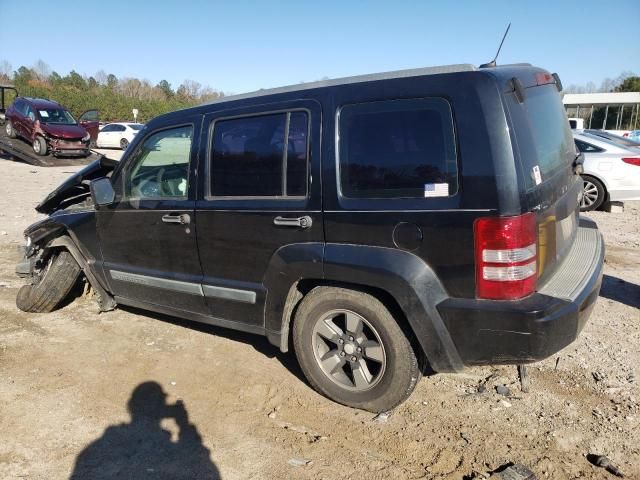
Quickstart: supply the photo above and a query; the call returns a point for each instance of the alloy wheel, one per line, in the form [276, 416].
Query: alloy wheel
[348, 350]
[589, 194]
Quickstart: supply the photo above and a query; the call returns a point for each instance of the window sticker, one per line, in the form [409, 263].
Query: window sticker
[536, 175]
[436, 190]
[43, 113]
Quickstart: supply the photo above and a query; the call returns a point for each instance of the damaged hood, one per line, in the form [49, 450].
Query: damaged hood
[77, 184]
[63, 131]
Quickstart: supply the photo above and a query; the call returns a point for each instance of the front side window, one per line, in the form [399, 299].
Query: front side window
[251, 158]
[397, 149]
[160, 166]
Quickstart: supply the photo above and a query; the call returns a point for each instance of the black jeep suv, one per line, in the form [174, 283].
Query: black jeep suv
[370, 222]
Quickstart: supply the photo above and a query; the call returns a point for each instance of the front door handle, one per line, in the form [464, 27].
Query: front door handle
[299, 222]
[181, 219]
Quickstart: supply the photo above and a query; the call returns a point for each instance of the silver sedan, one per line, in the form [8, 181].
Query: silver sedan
[611, 171]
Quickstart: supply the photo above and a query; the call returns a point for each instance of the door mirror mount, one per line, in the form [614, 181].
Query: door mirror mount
[102, 192]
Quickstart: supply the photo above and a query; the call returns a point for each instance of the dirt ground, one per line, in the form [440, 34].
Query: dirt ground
[128, 394]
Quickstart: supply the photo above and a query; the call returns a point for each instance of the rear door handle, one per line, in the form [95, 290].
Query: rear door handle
[181, 219]
[299, 222]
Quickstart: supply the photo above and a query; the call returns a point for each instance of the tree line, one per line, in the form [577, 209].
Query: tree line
[114, 97]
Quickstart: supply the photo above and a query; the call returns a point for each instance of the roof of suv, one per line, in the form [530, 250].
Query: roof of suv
[42, 102]
[414, 72]
[506, 71]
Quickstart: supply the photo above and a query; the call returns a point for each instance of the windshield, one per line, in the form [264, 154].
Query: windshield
[56, 115]
[136, 126]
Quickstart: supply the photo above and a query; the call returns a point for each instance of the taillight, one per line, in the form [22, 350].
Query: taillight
[544, 78]
[632, 160]
[506, 256]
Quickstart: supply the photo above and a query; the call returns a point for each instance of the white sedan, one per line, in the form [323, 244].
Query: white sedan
[611, 171]
[117, 135]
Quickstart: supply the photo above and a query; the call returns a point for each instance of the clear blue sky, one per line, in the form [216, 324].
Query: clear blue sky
[240, 45]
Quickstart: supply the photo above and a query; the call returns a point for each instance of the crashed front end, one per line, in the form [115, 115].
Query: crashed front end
[64, 146]
[74, 147]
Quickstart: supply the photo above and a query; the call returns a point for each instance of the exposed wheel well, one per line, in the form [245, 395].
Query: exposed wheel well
[300, 289]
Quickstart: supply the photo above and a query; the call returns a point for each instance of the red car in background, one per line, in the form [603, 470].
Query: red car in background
[50, 128]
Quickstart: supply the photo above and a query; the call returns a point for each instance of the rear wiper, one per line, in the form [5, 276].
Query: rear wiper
[577, 164]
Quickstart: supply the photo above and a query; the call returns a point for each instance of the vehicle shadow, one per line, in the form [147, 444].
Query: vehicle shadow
[143, 449]
[620, 290]
[260, 343]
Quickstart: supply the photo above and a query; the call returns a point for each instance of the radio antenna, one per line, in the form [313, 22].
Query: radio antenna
[492, 63]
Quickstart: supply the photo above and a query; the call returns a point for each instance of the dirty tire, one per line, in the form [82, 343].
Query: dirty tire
[54, 286]
[40, 146]
[11, 132]
[594, 194]
[401, 372]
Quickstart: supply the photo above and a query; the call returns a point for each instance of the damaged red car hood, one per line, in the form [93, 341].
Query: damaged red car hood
[63, 131]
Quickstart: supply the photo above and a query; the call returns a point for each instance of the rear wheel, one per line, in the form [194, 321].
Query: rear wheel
[11, 133]
[40, 146]
[51, 284]
[124, 143]
[353, 351]
[593, 194]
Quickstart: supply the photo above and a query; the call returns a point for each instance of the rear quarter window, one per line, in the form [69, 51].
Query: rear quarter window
[397, 149]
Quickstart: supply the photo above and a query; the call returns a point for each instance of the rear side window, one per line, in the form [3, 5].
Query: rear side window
[397, 149]
[260, 156]
[587, 147]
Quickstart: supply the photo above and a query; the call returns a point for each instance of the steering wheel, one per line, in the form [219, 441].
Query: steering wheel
[166, 186]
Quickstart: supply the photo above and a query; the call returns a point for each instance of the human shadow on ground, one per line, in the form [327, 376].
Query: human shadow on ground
[259, 342]
[615, 288]
[142, 449]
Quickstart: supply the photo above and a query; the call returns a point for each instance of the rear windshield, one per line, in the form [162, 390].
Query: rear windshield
[615, 139]
[136, 126]
[543, 134]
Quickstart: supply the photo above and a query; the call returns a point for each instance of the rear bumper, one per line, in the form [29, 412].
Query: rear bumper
[514, 332]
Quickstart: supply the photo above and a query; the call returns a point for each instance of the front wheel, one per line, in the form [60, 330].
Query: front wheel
[593, 194]
[40, 146]
[353, 351]
[11, 132]
[51, 284]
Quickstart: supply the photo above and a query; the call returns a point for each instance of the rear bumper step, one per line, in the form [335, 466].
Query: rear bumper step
[536, 327]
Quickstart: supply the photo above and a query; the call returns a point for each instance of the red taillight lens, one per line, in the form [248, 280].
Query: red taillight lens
[632, 160]
[506, 256]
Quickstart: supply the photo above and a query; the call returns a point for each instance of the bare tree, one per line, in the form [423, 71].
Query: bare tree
[101, 77]
[190, 89]
[41, 70]
[5, 71]
[130, 87]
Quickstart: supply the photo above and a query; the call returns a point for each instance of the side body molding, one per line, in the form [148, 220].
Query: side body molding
[410, 281]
